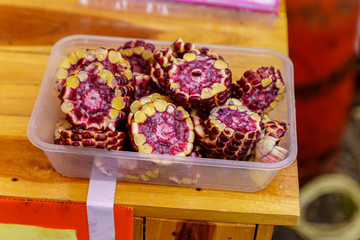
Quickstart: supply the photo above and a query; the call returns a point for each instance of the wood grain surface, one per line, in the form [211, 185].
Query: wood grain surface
[28, 31]
[138, 228]
[166, 229]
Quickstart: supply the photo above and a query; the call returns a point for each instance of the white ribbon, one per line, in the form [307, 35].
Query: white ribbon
[100, 205]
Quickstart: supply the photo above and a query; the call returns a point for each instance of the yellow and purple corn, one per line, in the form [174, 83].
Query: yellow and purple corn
[96, 98]
[140, 55]
[193, 78]
[230, 131]
[109, 140]
[261, 90]
[158, 126]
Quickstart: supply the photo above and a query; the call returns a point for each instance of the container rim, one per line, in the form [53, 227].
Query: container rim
[89, 39]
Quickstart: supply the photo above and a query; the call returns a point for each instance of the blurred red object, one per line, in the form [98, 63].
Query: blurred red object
[322, 36]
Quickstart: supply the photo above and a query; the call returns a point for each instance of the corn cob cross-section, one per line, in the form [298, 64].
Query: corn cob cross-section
[260, 90]
[96, 97]
[158, 126]
[140, 55]
[82, 58]
[231, 131]
[194, 78]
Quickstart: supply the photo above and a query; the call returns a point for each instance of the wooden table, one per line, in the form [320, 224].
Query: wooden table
[28, 29]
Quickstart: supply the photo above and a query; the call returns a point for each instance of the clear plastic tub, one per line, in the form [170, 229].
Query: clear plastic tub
[154, 168]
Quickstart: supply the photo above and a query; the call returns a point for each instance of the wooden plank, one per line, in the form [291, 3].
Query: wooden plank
[21, 74]
[264, 232]
[66, 18]
[26, 172]
[24, 65]
[234, 231]
[138, 228]
[18, 100]
[277, 204]
[166, 229]
[15, 126]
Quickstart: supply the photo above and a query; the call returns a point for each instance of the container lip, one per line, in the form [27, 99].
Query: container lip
[88, 38]
[92, 39]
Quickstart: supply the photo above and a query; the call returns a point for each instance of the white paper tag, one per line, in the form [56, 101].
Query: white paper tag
[100, 205]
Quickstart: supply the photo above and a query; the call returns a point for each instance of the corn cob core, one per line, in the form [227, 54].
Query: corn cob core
[157, 126]
[194, 78]
[96, 98]
[110, 140]
[260, 90]
[230, 132]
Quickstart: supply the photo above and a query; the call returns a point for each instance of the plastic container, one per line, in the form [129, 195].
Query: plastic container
[154, 168]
